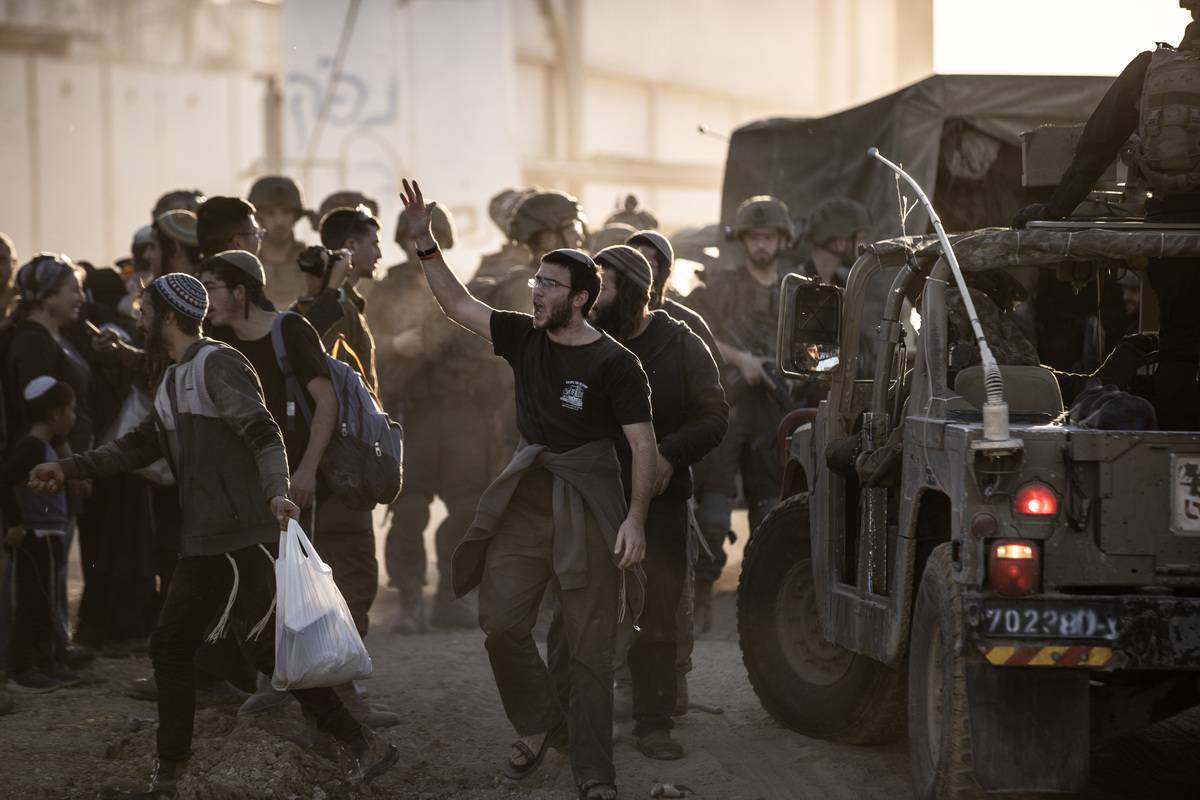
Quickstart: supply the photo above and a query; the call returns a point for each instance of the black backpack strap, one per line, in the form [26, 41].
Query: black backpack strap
[293, 391]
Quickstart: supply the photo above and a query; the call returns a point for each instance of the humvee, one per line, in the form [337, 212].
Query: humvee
[1006, 601]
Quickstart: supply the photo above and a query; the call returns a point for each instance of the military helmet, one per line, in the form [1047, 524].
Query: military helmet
[441, 223]
[503, 204]
[544, 211]
[276, 191]
[633, 215]
[763, 211]
[611, 234]
[344, 199]
[837, 218]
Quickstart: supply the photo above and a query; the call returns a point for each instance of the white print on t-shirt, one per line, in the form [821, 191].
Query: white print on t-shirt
[572, 396]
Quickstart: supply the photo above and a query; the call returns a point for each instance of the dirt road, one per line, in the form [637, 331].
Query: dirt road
[75, 743]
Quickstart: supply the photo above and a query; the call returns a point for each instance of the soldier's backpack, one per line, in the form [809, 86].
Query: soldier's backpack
[1168, 150]
[364, 462]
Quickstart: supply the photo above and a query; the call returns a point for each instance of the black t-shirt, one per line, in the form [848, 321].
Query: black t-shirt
[568, 396]
[306, 355]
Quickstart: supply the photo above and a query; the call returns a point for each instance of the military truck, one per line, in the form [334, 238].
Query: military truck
[952, 558]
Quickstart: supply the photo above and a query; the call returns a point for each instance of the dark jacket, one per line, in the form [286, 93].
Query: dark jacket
[226, 451]
[30, 351]
[699, 327]
[690, 412]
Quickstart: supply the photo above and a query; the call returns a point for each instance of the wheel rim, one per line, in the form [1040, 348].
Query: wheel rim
[933, 697]
[798, 625]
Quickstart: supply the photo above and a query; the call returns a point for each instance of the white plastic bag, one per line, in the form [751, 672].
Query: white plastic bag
[316, 643]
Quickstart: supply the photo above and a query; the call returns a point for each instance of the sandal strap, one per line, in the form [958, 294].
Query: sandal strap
[526, 751]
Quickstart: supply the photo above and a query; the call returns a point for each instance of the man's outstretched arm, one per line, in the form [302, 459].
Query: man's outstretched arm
[457, 303]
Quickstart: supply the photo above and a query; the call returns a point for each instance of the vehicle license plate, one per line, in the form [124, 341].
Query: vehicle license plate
[1055, 618]
[1185, 495]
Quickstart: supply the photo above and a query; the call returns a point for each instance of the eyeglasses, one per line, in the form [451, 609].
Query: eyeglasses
[540, 281]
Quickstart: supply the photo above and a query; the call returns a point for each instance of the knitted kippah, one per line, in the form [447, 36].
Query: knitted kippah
[183, 293]
[658, 242]
[38, 387]
[240, 259]
[179, 225]
[629, 262]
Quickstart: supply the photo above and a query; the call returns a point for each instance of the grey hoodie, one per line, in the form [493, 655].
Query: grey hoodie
[226, 452]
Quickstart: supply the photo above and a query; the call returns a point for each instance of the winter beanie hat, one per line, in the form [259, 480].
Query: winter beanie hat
[655, 240]
[184, 294]
[630, 263]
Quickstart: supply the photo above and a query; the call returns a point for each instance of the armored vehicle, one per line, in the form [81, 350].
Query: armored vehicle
[955, 557]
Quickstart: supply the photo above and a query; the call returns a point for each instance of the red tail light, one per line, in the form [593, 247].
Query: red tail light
[1036, 499]
[1014, 567]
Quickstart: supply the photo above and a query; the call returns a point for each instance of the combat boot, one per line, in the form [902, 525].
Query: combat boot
[265, 698]
[371, 715]
[410, 619]
[703, 607]
[367, 759]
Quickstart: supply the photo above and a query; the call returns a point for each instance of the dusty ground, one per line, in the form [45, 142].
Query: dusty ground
[74, 743]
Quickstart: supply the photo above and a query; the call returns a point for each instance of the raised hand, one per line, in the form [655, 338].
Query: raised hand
[420, 215]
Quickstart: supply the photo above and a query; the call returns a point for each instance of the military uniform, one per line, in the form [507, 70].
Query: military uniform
[440, 396]
[743, 313]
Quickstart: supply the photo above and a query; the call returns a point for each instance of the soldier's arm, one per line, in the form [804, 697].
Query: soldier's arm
[457, 303]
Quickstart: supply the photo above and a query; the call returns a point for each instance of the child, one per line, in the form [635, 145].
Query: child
[37, 524]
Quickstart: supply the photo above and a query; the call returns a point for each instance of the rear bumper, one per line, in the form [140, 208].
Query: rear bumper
[1153, 633]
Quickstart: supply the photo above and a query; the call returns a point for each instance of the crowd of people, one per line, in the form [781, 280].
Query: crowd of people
[167, 415]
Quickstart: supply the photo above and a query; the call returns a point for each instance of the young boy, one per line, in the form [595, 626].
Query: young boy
[36, 528]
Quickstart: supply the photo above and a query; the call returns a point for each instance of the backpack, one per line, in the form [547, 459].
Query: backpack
[1168, 150]
[364, 462]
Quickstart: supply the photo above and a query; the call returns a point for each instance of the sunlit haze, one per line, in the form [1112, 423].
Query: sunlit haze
[1050, 37]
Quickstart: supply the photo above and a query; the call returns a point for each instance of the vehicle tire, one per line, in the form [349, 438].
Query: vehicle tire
[939, 725]
[808, 684]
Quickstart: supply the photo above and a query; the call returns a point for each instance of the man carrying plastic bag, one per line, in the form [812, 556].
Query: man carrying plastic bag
[227, 455]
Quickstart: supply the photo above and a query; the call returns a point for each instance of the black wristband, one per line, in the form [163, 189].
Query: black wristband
[430, 253]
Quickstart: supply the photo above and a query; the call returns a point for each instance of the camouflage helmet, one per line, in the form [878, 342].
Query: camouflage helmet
[345, 199]
[544, 211]
[632, 215]
[186, 199]
[276, 191]
[611, 234]
[763, 211]
[442, 225]
[837, 218]
[503, 204]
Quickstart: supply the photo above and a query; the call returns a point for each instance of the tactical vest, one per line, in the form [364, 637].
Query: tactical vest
[1168, 150]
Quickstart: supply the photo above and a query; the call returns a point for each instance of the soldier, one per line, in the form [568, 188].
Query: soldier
[511, 254]
[742, 306]
[429, 371]
[611, 234]
[280, 206]
[1155, 97]
[836, 230]
[633, 215]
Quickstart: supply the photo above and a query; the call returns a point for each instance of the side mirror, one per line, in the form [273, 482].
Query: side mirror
[810, 326]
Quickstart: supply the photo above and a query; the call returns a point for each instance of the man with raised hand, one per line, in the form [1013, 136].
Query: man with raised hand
[557, 513]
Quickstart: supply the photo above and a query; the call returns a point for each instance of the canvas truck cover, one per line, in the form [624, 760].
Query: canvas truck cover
[804, 161]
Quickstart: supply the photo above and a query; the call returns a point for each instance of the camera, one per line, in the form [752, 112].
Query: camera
[316, 260]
